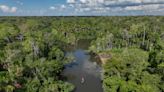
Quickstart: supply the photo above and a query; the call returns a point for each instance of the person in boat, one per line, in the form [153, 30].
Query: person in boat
[82, 80]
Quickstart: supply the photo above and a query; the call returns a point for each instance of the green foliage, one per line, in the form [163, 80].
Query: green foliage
[126, 71]
[31, 61]
[32, 52]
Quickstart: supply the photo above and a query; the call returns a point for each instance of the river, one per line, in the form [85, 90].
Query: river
[83, 66]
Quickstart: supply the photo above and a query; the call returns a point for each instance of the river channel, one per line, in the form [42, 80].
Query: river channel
[83, 66]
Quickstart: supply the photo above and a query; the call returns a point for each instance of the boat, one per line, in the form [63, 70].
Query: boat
[82, 80]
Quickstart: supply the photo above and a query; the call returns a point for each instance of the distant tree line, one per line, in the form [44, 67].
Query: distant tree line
[32, 54]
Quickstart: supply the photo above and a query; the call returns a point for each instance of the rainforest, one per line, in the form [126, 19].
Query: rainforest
[82, 54]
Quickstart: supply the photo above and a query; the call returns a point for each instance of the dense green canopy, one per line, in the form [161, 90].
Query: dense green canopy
[32, 54]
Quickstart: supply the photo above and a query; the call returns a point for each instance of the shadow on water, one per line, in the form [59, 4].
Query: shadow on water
[83, 67]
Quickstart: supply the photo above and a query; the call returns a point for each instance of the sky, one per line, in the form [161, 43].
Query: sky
[81, 7]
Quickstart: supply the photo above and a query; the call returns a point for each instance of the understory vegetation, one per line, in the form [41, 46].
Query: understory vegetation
[32, 52]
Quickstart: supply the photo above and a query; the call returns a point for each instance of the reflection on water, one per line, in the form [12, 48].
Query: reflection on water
[83, 67]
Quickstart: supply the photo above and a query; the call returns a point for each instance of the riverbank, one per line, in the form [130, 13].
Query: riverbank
[101, 58]
[104, 57]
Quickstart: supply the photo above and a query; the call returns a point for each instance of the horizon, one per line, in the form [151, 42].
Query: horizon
[81, 8]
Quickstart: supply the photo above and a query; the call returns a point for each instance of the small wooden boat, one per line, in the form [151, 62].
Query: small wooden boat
[82, 80]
